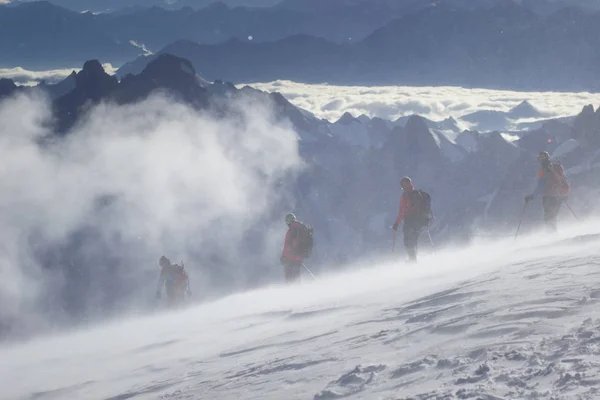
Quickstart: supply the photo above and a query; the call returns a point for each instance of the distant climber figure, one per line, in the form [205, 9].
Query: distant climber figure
[176, 281]
[297, 247]
[553, 185]
[415, 211]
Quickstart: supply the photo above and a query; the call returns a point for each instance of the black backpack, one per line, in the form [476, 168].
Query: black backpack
[305, 240]
[421, 212]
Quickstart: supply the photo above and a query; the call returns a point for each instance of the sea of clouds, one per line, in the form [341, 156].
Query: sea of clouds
[436, 103]
[25, 77]
[330, 102]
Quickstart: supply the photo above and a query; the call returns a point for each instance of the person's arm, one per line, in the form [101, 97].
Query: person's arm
[291, 245]
[161, 281]
[287, 246]
[540, 186]
[541, 183]
[404, 207]
[187, 284]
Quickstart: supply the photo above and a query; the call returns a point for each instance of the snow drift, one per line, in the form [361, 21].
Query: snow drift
[494, 321]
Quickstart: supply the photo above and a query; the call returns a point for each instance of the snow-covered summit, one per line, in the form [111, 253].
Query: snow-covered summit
[525, 110]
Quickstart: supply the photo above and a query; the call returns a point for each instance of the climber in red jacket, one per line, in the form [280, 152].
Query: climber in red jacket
[290, 258]
[553, 186]
[415, 211]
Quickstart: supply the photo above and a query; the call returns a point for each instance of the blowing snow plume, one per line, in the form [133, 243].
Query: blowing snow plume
[85, 216]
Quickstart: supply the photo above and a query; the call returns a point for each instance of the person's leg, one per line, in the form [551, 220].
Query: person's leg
[179, 295]
[170, 296]
[411, 241]
[551, 207]
[296, 272]
[286, 272]
[292, 272]
[558, 201]
[546, 206]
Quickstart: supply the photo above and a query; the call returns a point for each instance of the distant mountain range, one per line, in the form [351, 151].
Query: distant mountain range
[55, 37]
[492, 43]
[156, 27]
[502, 46]
[42, 36]
[67, 33]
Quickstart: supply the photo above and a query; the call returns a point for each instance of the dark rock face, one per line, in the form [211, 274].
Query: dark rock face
[92, 85]
[586, 126]
[166, 72]
[7, 87]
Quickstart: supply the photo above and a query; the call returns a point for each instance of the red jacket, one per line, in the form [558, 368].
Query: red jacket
[406, 205]
[290, 247]
[552, 182]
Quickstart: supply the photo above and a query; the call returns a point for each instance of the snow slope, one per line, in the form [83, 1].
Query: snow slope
[498, 320]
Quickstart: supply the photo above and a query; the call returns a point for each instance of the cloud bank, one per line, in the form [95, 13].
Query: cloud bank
[436, 103]
[85, 217]
[26, 77]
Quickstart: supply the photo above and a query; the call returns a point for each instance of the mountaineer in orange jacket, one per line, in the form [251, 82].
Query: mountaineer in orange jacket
[552, 184]
[415, 211]
[176, 281]
[290, 258]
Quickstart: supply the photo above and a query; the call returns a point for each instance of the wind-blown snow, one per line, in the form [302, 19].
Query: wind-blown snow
[128, 184]
[436, 103]
[495, 321]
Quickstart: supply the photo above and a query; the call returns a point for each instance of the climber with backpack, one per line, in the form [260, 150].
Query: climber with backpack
[554, 187]
[297, 247]
[175, 279]
[415, 211]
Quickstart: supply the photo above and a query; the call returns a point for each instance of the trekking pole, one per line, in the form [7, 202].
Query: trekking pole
[521, 219]
[431, 240]
[394, 243]
[308, 270]
[572, 212]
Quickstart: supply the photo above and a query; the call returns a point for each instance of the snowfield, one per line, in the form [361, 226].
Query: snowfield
[499, 320]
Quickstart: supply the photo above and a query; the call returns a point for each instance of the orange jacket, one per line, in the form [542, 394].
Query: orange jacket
[406, 205]
[290, 247]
